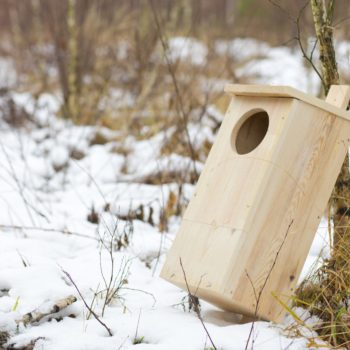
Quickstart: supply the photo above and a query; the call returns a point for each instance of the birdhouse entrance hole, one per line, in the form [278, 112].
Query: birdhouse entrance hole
[250, 131]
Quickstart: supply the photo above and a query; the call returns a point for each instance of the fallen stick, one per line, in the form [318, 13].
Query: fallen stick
[35, 316]
[93, 313]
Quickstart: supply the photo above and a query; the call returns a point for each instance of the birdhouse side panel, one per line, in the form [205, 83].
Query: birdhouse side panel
[221, 213]
[230, 182]
[201, 253]
[311, 153]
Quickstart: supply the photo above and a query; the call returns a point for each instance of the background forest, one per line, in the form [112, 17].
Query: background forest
[108, 110]
[86, 50]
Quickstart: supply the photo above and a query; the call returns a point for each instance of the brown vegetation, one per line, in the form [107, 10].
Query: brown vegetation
[108, 62]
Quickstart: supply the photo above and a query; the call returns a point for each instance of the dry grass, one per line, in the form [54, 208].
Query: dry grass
[326, 294]
[122, 76]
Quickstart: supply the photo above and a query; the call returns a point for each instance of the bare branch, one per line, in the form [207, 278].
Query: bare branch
[44, 229]
[258, 295]
[92, 312]
[296, 21]
[197, 309]
[180, 105]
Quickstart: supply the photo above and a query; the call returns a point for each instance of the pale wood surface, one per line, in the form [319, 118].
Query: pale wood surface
[249, 209]
[339, 96]
[287, 91]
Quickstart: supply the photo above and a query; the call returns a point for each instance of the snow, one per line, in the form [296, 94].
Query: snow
[242, 48]
[187, 49]
[270, 65]
[59, 157]
[46, 254]
[46, 196]
[8, 74]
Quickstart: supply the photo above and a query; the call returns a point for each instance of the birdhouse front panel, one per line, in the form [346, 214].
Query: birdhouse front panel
[250, 223]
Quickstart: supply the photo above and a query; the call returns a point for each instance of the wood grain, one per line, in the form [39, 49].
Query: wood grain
[289, 92]
[247, 209]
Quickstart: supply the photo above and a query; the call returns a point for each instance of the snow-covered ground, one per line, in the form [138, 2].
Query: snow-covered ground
[53, 178]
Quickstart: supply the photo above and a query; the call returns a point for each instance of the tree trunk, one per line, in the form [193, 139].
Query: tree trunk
[322, 16]
[340, 202]
[72, 108]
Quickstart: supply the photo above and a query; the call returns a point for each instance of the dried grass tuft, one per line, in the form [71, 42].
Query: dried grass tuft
[326, 294]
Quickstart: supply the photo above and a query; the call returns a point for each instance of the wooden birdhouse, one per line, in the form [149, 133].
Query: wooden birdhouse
[249, 226]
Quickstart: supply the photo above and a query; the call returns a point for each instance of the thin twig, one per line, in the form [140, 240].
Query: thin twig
[93, 313]
[258, 296]
[137, 327]
[21, 189]
[296, 21]
[182, 113]
[33, 228]
[302, 49]
[197, 309]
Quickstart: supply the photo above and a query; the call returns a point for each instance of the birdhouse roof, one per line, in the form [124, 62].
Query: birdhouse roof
[284, 91]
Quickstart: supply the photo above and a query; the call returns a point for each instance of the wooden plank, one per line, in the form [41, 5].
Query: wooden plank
[287, 91]
[339, 96]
